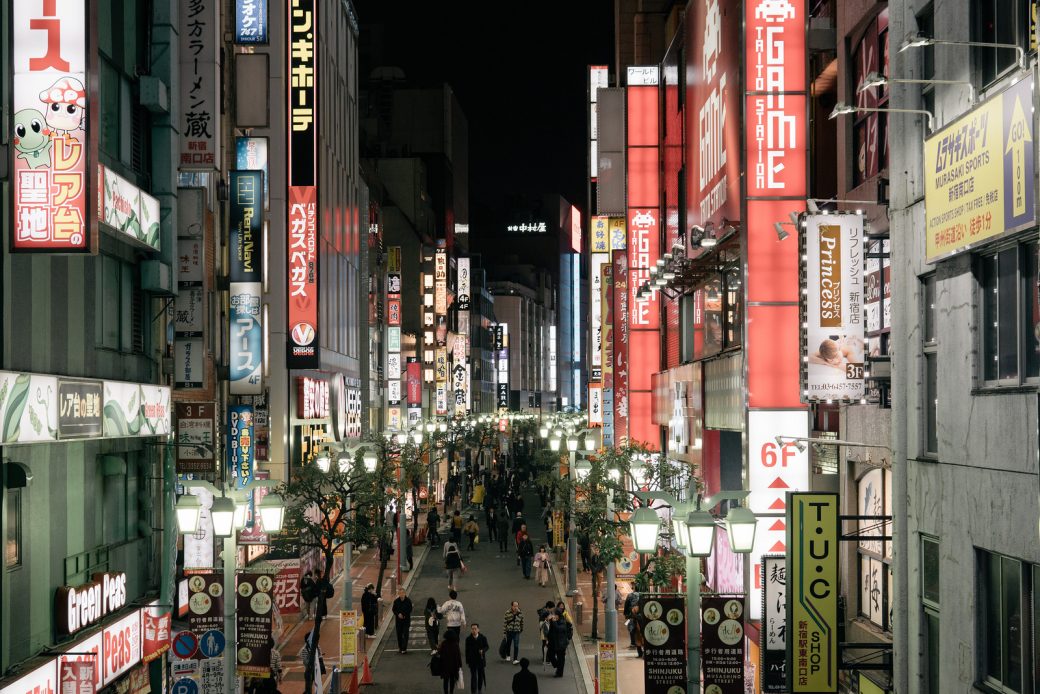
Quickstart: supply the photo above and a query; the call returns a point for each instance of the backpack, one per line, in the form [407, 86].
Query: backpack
[436, 667]
[309, 591]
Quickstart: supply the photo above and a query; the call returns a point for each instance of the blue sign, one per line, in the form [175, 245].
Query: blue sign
[246, 338]
[251, 155]
[240, 444]
[211, 644]
[185, 644]
[245, 237]
[185, 686]
[251, 21]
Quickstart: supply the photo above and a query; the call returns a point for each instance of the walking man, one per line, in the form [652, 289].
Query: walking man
[502, 521]
[454, 614]
[525, 550]
[402, 619]
[433, 521]
[525, 681]
[476, 657]
[513, 625]
[452, 561]
[308, 591]
[560, 633]
[324, 591]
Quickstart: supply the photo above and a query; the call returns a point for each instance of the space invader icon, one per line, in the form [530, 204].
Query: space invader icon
[774, 10]
[642, 219]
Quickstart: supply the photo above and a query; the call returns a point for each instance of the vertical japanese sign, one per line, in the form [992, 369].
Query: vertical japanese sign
[246, 254]
[619, 310]
[599, 78]
[51, 143]
[189, 306]
[348, 629]
[722, 644]
[251, 21]
[199, 119]
[255, 608]
[664, 631]
[832, 336]
[78, 676]
[286, 589]
[773, 636]
[607, 347]
[812, 603]
[606, 667]
[240, 444]
[195, 436]
[205, 602]
[303, 189]
[501, 345]
[156, 623]
[464, 285]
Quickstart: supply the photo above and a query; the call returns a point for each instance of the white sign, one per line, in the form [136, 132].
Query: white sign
[199, 119]
[88, 650]
[42, 680]
[462, 303]
[773, 470]
[774, 578]
[121, 646]
[595, 404]
[81, 606]
[198, 546]
[128, 209]
[832, 347]
[132, 409]
[552, 359]
[528, 228]
[393, 366]
[598, 260]
[643, 76]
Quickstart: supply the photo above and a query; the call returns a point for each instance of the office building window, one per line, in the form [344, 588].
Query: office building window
[13, 543]
[930, 392]
[1004, 601]
[997, 21]
[120, 326]
[1010, 349]
[930, 608]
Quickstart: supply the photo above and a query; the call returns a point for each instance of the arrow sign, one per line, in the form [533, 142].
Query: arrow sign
[778, 526]
[1018, 136]
[185, 644]
[779, 483]
[779, 547]
[778, 505]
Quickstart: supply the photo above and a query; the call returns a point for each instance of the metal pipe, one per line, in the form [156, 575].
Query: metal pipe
[572, 540]
[693, 625]
[610, 612]
[230, 606]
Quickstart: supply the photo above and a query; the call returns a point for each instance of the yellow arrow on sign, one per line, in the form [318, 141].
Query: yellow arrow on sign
[1018, 135]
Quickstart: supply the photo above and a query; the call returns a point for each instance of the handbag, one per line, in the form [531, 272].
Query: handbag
[462, 682]
[436, 667]
[476, 540]
[503, 648]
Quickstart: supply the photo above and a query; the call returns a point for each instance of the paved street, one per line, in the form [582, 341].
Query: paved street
[493, 580]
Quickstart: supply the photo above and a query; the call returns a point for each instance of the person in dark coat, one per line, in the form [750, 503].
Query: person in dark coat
[402, 609]
[560, 633]
[370, 609]
[525, 681]
[476, 657]
[323, 591]
[451, 661]
[502, 521]
[491, 516]
[432, 622]
[308, 591]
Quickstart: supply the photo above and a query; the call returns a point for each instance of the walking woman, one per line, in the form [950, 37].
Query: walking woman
[541, 566]
[451, 661]
[432, 622]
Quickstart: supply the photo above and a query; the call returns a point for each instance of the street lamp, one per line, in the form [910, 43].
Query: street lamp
[554, 442]
[223, 512]
[699, 527]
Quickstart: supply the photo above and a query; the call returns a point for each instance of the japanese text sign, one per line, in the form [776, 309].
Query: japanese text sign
[51, 142]
[200, 104]
[79, 409]
[251, 21]
[722, 644]
[246, 338]
[195, 436]
[774, 624]
[663, 618]
[205, 602]
[240, 445]
[255, 609]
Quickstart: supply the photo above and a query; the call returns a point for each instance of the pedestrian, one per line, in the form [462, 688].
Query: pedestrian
[541, 566]
[456, 527]
[471, 529]
[518, 521]
[324, 591]
[525, 681]
[525, 550]
[617, 599]
[513, 625]
[402, 609]
[631, 600]
[452, 561]
[454, 614]
[308, 591]
[503, 531]
[543, 625]
[432, 622]
[370, 609]
[433, 521]
[451, 660]
[561, 608]
[635, 631]
[585, 546]
[560, 634]
[516, 539]
[476, 657]
[491, 516]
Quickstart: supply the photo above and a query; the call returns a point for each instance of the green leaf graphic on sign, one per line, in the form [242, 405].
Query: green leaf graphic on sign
[13, 417]
[115, 422]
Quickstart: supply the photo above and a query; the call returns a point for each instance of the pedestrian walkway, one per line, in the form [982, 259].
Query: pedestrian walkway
[493, 579]
[365, 570]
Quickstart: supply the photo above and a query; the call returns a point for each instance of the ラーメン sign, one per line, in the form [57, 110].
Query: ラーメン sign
[812, 593]
[832, 338]
[50, 138]
[980, 174]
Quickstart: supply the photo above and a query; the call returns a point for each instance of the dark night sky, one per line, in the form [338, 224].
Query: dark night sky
[519, 71]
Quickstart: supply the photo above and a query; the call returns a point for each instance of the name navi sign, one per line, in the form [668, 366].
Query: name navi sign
[979, 174]
[812, 592]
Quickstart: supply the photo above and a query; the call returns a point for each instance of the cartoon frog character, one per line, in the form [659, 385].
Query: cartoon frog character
[32, 139]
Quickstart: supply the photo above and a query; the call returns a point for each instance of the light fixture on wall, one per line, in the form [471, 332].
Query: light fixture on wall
[919, 41]
[876, 79]
[843, 109]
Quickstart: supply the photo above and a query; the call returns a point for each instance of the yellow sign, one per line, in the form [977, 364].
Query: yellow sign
[979, 173]
[600, 235]
[557, 528]
[606, 668]
[867, 686]
[617, 233]
[348, 630]
[812, 584]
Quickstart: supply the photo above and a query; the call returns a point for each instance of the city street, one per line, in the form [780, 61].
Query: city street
[493, 580]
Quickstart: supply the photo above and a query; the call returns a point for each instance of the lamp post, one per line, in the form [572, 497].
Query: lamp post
[610, 611]
[697, 539]
[228, 513]
[369, 462]
[572, 539]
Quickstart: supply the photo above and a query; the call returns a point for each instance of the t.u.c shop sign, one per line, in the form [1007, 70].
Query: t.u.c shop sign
[51, 140]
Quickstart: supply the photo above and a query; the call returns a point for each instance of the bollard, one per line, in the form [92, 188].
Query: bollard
[579, 610]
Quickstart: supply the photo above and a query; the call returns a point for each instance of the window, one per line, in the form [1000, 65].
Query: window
[1010, 309]
[875, 555]
[114, 498]
[930, 393]
[120, 326]
[930, 606]
[13, 544]
[1000, 621]
[870, 130]
[926, 27]
[997, 21]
